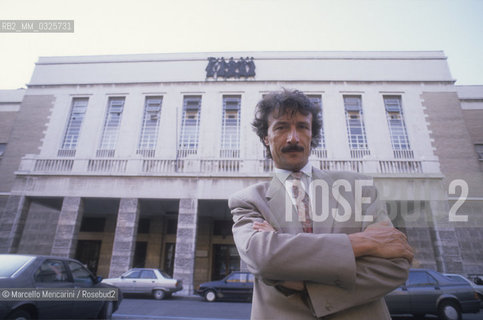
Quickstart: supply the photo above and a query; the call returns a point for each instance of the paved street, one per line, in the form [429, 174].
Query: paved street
[180, 308]
[194, 308]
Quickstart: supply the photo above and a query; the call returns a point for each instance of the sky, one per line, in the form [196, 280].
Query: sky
[168, 26]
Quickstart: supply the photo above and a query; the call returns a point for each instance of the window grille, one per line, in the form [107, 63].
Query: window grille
[190, 126]
[230, 135]
[356, 130]
[150, 126]
[397, 127]
[111, 127]
[320, 151]
[71, 136]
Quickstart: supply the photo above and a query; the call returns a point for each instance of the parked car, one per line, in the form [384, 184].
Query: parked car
[477, 287]
[146, 281]
[235, 286]
[476, 278]
[39, 272]
[430, 292]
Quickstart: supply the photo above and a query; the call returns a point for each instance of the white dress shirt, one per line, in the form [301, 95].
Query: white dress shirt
[283, 175]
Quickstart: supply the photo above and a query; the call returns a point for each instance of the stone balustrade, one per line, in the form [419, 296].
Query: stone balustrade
[34, 164]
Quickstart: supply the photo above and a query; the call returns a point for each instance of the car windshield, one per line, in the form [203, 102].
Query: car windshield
[11, 263]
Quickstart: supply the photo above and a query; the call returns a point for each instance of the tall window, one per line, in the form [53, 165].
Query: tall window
[320, 151]
[397, 127]
[111, 127]
[355, 126]
[78, 110]
[150, 126]
[230, 134]
[190, 126]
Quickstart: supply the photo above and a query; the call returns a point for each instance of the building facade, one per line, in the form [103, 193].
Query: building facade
[11, 139]
[131, 158]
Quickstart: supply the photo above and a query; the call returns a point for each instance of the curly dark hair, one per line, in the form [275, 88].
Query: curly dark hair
[282, 102]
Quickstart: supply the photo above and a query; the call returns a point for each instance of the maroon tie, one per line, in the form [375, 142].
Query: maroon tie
[303, 206]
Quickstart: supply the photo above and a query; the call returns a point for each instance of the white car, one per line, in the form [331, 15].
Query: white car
[146, 281]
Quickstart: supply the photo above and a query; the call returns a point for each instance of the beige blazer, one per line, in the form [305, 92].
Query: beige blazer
[338, 286]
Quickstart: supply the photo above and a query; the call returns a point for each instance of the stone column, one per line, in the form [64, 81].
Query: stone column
[124, 237]
[184, 256]
[70, 218]
[12, 223]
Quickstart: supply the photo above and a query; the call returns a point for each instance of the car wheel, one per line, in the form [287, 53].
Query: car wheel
[106, 311]
[210, 295]
[159, 294]
[19, 315]
[449, 310]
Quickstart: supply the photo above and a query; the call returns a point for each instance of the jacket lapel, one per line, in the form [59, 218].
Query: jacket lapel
[326, 225]
[284, 213]
[282, 209]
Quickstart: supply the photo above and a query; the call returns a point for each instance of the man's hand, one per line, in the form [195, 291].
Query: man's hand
[383, 241]
[262, 226]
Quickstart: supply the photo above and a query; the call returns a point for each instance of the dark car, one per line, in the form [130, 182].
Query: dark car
[235, 286]
[48, 272]
[430, 292]
[476, 284]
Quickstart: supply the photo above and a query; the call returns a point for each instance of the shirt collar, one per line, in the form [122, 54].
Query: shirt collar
[283, 174]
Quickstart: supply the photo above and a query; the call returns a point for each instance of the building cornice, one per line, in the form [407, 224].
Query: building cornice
[259, 55]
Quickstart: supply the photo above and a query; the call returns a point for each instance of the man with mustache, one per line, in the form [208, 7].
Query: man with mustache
[339, 266]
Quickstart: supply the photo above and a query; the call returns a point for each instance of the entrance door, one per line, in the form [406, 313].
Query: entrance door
[225, 260]
[168, 265]
[140, 254]
[88, 253]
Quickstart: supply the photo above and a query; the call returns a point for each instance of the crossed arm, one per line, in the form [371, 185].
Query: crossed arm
[377, 240]
[349, 269]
